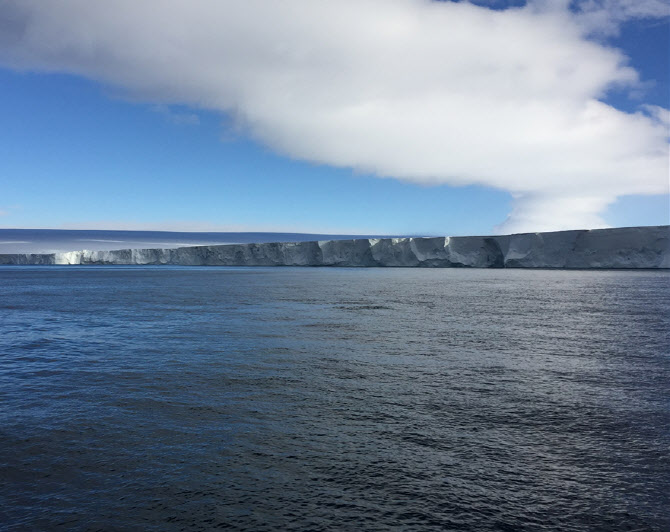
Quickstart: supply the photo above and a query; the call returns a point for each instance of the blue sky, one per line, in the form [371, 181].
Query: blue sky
[77, 156]
[94, 146]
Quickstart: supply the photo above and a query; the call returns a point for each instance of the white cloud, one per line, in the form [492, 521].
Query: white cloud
[604, 17]
[415, 90]
[543, 212]
[659, 114]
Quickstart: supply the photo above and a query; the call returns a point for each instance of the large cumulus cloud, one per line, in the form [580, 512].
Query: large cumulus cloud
[425, 92]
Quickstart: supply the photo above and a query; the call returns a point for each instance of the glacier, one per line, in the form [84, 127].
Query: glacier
[626, 247]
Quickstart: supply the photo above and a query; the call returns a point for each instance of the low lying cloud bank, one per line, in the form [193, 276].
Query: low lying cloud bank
[426, 92]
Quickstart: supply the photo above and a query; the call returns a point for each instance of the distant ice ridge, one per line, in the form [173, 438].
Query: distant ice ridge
[628, 247]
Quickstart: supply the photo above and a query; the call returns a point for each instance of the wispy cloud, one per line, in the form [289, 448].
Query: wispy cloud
[177, 117]
[196, 226]
[605, 17]
[8, 210]
[659, 114]
[425, 92]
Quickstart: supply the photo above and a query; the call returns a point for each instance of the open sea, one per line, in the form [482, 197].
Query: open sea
[174, 398]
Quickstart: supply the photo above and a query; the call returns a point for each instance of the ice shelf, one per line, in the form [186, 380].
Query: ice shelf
[627, 247]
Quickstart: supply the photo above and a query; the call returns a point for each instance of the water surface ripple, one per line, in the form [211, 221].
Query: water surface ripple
[167, 398]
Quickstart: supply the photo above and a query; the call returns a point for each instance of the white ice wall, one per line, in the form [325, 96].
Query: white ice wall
[628, 247]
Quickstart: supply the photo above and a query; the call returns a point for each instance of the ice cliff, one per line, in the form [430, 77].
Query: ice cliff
[628, 247]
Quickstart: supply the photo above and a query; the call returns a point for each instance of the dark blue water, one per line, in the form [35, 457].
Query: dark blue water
[334, 399]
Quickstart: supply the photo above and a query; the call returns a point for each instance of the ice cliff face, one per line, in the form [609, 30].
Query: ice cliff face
[630, 247]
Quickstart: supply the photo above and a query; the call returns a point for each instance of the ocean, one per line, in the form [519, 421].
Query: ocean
[175, 398]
